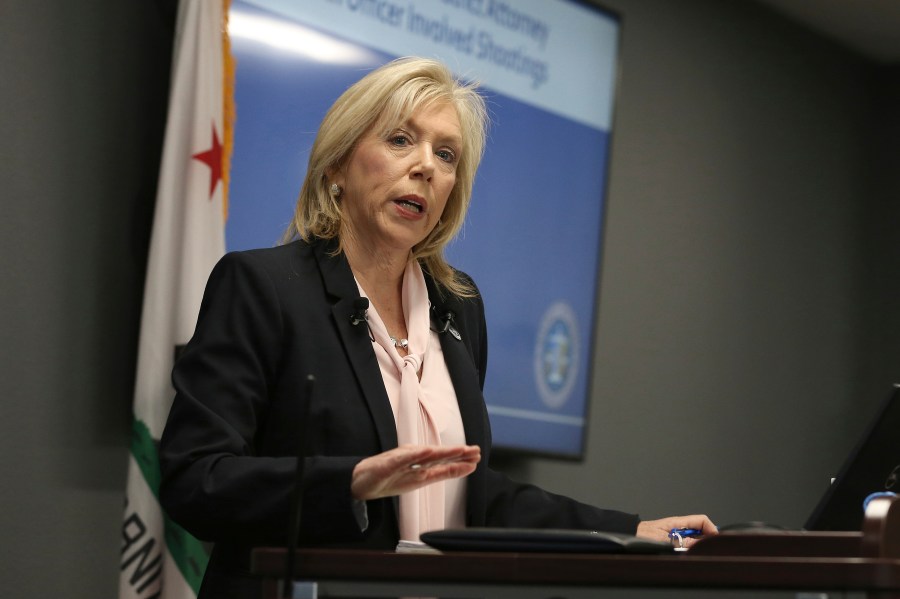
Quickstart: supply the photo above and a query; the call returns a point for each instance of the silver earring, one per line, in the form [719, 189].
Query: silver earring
[336, 190]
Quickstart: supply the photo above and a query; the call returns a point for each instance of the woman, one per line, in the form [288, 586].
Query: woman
[397, 408]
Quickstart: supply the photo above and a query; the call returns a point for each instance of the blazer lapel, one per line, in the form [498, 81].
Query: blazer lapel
[341, 286]
[463, 371]
[467, 384]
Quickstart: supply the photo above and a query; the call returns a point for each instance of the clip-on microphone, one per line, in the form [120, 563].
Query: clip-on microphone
[290, 589]
[448, 323]
[360, 305]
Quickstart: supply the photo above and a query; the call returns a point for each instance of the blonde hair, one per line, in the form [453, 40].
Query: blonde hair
[386, 98]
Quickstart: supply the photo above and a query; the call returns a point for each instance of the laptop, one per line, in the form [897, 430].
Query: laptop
[873, 466]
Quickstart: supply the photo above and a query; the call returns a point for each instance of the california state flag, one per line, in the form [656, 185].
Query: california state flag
[158, 558]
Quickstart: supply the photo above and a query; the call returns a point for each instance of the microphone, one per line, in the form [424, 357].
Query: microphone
[360, 306]
[296, 498]
[448, 324]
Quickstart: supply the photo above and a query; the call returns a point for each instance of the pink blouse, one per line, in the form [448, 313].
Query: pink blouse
[437, 399]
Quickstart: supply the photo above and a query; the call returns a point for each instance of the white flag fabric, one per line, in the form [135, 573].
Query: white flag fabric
[158, 558]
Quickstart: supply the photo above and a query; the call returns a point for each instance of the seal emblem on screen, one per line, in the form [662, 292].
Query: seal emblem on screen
[556, 355]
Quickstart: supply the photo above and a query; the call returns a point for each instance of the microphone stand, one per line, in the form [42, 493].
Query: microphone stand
[296, 502]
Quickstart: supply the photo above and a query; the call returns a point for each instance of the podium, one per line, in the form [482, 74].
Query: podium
[866, 563]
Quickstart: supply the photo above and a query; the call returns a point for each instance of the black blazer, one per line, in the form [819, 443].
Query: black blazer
[268, 319]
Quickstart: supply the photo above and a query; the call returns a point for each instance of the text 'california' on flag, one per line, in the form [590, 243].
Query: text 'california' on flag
[158, 558]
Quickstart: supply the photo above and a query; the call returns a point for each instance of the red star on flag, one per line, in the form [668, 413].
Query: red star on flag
[213, 159]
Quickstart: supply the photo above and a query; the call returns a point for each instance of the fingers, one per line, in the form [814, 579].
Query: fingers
[659, 529]
[708, 527]
[426, 475]
[699, 522]
[410, 467]
[419, 456]
[418, 466]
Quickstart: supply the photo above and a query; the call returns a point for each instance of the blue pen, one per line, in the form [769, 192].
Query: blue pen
[680, 534]
[685, 533]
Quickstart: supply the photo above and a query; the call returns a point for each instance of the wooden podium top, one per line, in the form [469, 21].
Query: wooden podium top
[681, 571]
[866, 561]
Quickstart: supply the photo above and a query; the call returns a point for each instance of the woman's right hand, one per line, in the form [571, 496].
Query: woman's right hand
[410, 467]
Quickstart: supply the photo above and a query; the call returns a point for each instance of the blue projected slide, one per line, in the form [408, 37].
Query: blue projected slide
[533, 237]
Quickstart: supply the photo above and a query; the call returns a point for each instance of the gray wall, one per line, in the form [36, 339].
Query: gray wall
[746, 324]
[747, 328]
[82, 98]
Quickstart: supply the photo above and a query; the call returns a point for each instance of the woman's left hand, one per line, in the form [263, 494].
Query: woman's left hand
[658, 530]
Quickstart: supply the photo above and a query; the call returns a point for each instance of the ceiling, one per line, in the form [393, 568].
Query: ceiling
[871, 27]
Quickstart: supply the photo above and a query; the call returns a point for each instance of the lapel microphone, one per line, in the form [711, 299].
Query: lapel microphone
[360, 306]
[448, 324]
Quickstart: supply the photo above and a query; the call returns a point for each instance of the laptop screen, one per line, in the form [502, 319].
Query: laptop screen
[872, 466]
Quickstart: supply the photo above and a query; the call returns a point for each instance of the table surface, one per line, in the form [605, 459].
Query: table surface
[685, 570]
[867, 561]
